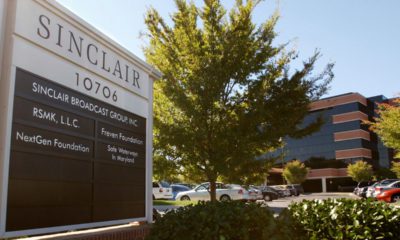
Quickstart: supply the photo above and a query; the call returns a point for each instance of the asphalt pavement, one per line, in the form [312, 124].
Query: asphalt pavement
[279, 204]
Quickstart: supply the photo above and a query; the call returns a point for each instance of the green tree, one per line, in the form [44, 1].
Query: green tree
[396, 168]
[295, 172]
[384, 173]
[226, 95]
[165, 169]
[360, 171]
[387, 125]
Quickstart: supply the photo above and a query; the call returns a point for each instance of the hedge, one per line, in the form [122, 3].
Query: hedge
[345, 219]
[317, 219]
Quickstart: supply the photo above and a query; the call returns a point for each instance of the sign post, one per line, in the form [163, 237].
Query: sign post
[76, 124]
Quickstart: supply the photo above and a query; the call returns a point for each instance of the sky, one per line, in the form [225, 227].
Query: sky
[362, 37]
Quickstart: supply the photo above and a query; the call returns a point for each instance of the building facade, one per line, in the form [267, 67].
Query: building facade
[342, 139]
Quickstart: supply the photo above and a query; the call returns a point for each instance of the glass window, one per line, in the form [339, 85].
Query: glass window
[202, 187]
[164, 184]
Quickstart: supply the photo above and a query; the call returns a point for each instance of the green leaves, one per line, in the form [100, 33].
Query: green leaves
[225, 90]
[360, 171]
[346, 219]
[396, 168]
[295, 172]
[353, 219]
[387, 125]
[221, 220]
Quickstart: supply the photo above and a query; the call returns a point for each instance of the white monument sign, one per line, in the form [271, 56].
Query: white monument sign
[76, 124]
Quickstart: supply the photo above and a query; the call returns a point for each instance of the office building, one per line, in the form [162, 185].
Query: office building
[342, 139]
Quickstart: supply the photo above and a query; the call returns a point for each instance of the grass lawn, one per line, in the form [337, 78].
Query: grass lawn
[174, 203]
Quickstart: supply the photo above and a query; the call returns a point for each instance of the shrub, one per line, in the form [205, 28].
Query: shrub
[219, 221]
[360, 171]
[345, 219]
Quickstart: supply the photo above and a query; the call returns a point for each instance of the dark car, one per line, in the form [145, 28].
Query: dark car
[295, 189]
[269, 193]
[298, 188]
[281, 190]
[176, 188]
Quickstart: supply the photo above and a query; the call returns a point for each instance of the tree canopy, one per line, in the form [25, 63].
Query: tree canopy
[226, 96]
[295, 172]
[396, 168]
[360, 171]
[387, 124]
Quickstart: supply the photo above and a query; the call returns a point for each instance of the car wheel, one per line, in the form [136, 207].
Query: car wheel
[396, 198]
[267, 198]
[185, 198]
[225, 198]
[154, 198]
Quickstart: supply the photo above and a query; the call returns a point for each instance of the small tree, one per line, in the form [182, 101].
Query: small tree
[295, 172]
[387, 125]
[360, 171]
[396, 168]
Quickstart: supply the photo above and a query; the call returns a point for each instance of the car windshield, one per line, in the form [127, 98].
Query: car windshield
[164, 184]
[375, 184]
[201, 187]
[206, 186]
[388, 181]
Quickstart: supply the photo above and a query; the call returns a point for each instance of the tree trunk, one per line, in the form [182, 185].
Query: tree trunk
[213, 191]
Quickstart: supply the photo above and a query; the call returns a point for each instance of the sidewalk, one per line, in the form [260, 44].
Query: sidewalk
[163, 208]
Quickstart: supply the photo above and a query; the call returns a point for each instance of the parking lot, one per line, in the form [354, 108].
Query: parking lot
[279, 204]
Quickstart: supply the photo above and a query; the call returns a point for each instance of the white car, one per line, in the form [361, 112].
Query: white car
[162, 190]
[224, 192]
[371, 190]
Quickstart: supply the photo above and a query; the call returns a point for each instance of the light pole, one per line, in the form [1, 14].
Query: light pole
[282, 160]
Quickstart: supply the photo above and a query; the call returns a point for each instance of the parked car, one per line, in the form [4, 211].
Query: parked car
[189, 185]
[224, 192]
[176, 188]
[281, 191]
[362, 188]
[292, 190]
[382, 184]
[244, 194]
[269, 193]
[391, 195]
[299, 188]
[162, 190]
[385, 187]
[371, 190]
[254, 193]
[359, 186]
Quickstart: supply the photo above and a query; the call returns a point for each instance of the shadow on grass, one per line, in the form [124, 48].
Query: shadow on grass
[173, 203]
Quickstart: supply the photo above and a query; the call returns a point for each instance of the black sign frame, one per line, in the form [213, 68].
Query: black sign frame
[58, 158]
